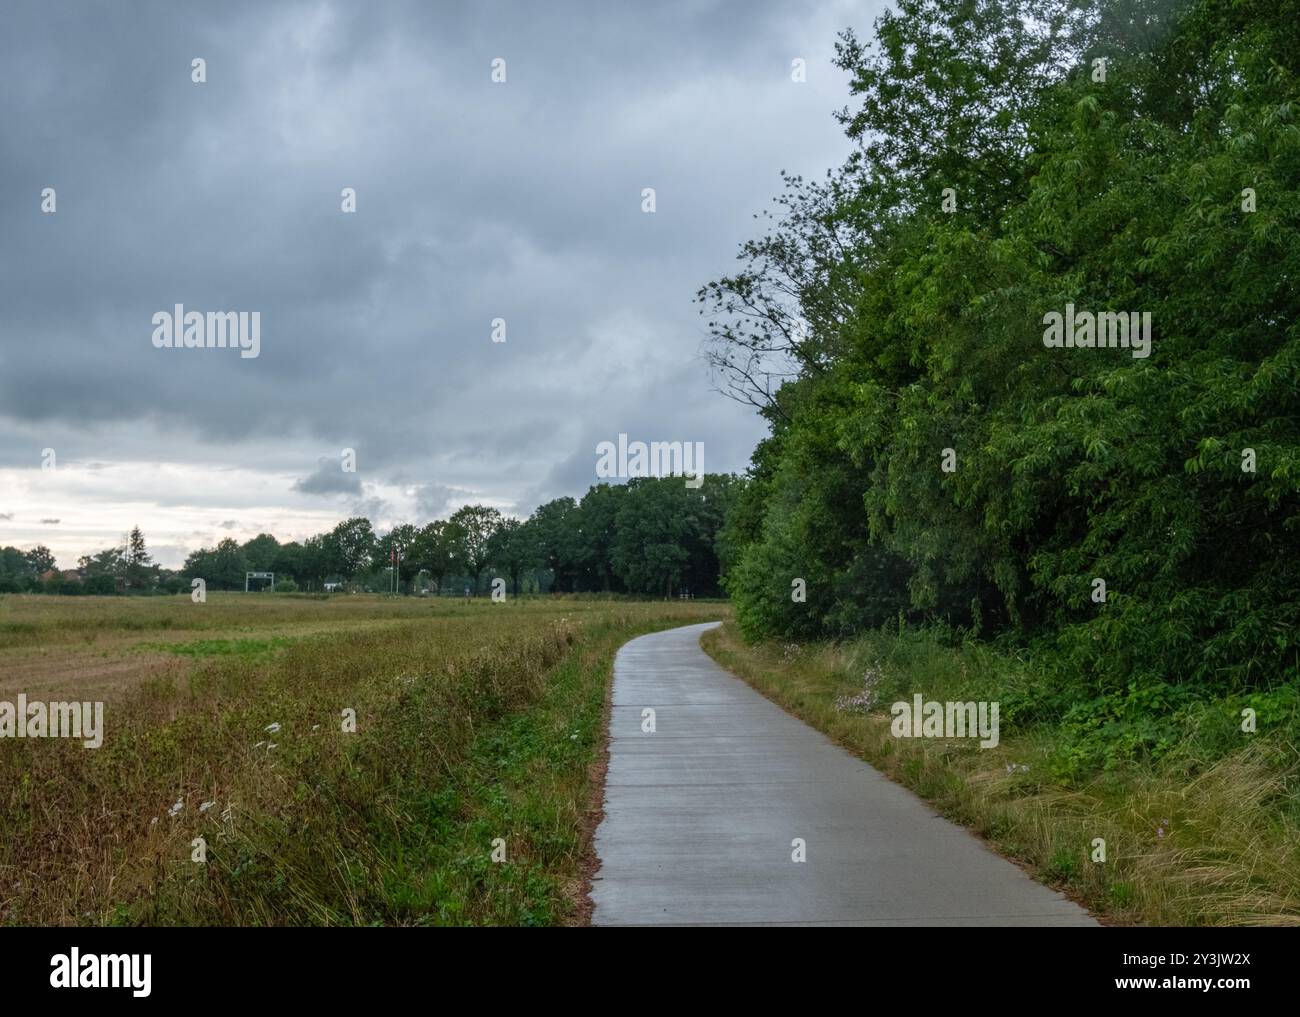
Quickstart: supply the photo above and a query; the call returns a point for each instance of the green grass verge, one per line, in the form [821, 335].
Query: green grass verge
[218, 647]
[1195, 837]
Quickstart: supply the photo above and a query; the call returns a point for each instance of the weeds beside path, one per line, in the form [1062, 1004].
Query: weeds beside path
[1187, 842]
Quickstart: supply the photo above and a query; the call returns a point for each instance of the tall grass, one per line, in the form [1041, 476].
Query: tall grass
[475, 723]
[1206, 834]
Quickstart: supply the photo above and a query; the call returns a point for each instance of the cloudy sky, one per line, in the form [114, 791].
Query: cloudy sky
[475, 200]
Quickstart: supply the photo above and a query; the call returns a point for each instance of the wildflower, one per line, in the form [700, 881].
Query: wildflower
[863, 701]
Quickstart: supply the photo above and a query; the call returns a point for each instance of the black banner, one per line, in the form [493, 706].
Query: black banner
[1217, 967]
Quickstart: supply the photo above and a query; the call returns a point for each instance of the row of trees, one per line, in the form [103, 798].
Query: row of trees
[127, 568]
[930, 457]
[651, 536]
[20, 571]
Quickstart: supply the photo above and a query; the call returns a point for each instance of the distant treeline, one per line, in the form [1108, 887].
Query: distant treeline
[651, 537]
[128, 568]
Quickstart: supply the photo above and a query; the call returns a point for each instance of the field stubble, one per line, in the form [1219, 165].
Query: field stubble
[225, 721]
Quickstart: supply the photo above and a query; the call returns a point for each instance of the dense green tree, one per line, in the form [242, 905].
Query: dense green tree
[39, 559]
[559, 541]
[15, 570]
[597, 527]
[262, 552]
[229, 566]
[665, 535]
[110, 563]
[930, 455]
[100, 585]
[349, 547]
[473, 529]
[288, 561]
[435, 550]
[139, 572]
[405, 538]
[513, 547]
[221, 568]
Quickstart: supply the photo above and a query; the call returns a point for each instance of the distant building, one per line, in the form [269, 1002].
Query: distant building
[67, 575]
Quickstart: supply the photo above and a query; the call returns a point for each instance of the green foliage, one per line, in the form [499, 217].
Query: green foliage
[222, 567]
[475, 525]
[876, 328]
[653, 536]
[664, 534]
[101, 586]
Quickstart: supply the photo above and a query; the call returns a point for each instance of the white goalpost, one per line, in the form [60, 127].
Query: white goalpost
[259, 575]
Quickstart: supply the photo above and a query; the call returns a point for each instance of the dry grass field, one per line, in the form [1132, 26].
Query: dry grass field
[226, 727]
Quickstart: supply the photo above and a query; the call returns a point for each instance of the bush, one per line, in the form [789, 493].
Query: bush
[101, 586]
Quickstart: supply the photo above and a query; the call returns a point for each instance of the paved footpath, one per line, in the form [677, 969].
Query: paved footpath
[700, 817]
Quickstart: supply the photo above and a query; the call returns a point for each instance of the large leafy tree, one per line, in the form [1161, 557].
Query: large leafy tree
[290, 562]
[39, 559]
[597, 520]
[221, 568]
[514, 547]
[665, 535]
[404, 538]
[927, 446]
[474, 526]
[435, 550]
[262, 553]
[349, 547]
[559, 530]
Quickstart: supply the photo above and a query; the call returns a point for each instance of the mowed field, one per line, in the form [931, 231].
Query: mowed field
[477, 730]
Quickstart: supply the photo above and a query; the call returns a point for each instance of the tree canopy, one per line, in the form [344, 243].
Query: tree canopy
[930, 458]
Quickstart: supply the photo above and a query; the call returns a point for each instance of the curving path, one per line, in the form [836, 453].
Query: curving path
[700, 816]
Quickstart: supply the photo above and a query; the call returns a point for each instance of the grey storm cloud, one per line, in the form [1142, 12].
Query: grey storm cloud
[435, 499]
[475, 201]
[329, 478]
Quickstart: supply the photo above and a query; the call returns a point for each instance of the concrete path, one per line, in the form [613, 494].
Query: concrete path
[700, 816]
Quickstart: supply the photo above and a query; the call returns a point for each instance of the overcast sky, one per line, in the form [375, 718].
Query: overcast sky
[475, 200]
